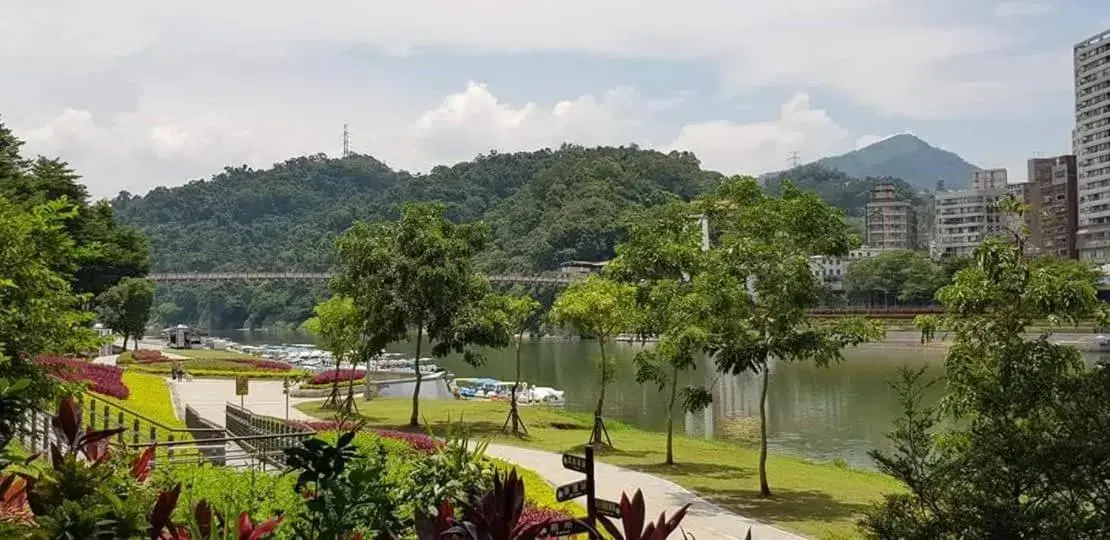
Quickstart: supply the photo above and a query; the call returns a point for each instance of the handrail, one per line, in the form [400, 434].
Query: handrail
[225, 439]
[157, 423]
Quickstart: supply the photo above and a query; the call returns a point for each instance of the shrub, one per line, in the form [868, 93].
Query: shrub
[264, 364]
[102, 379]
[337, 375]
[417, 441]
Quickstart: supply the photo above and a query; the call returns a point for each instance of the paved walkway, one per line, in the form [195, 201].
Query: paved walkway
[704, 520]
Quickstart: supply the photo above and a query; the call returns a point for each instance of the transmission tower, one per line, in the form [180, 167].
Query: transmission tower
[346, 141]
[795, 160]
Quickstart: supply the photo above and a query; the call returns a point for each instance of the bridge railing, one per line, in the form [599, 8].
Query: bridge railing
[186, 277]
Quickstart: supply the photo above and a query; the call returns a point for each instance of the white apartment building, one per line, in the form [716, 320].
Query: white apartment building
[833, 269]
[965, 217]
[1091, 146]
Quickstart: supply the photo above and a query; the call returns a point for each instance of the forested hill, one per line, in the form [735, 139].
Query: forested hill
[544, 207]
[838, 189]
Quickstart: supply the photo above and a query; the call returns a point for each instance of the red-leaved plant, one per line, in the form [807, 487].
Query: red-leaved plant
[633, 517]
[206, 524]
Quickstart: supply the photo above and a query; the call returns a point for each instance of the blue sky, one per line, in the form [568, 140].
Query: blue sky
[137, 96]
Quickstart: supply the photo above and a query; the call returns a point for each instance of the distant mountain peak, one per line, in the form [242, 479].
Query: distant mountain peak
[904, 156]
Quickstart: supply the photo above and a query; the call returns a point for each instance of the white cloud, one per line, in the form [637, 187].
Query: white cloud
[902, 57]
[137, 95]
[138, 151]
[1022, 9]
[759, 147]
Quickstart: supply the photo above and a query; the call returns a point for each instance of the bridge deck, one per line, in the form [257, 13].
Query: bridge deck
[192, 277]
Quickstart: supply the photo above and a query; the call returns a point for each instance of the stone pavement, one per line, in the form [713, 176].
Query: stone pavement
[704, 520]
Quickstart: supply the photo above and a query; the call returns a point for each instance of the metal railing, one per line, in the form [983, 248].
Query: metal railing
[261, 435]
[37, 432]
[191, 277]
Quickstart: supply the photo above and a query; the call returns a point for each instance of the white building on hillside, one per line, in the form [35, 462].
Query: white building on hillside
[833, 269]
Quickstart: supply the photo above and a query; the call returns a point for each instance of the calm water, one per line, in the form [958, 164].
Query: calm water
[820, 413]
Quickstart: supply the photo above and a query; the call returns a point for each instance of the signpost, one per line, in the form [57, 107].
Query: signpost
[241, 388]
[585, 487]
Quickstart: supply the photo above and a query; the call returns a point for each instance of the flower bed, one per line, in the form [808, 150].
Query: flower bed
[417, 441]
[102, 379]
[142, 356]
[337, 375]
[217, 364]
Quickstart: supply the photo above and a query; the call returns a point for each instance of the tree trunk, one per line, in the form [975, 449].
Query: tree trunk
[764, 489]
[670, 416]
[333, 396]
[136, 341]
[414, 420]
[513, 411]
[604, 377]
[125, 336]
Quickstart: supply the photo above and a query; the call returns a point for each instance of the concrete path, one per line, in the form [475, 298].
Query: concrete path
[704, 520]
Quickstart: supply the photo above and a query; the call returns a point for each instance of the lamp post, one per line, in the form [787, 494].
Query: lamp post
[285, 390]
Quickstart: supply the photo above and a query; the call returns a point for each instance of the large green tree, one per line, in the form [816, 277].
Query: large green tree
[760, 285]
[598, 308]
[661, 258]
[418, 273]
[39, 312]
[1018, 446]
[336, 324]
[125, 308]
[106, 252]
[893, 277]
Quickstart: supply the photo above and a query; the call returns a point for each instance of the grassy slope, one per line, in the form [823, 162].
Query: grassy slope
[810, 498]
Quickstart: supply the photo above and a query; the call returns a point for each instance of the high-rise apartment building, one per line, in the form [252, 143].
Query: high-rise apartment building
[889, 222]
[965, 217]
[1053, 206]
[1091, 146]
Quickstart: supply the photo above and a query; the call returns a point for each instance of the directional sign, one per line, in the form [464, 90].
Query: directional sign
[575, 463]
[572, 490]
[607, 508]
[566, 527]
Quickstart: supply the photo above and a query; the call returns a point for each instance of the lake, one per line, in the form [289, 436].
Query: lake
[842, 411]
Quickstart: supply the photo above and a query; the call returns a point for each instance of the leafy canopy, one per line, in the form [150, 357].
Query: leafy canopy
[1017, 447]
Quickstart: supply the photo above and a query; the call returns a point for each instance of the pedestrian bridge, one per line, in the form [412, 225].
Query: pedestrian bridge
[197, 277]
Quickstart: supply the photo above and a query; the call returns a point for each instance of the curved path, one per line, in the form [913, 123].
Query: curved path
[704, 520]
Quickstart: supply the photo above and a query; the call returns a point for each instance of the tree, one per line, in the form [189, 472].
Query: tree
[597, 308]
[661, 256]
[125, 307]
[902, 276]
[520, 312]
[39, 312]
[336, 324]
[1017, 447]
[108, 252]
[760, 285]
[418, 272]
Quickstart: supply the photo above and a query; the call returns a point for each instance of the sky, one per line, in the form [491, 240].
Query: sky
[138, 94]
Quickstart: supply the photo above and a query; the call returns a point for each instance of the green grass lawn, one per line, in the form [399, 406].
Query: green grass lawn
[150, 397]
[814, 499]
[201, 354]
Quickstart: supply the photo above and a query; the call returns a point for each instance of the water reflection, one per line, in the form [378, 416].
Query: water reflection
[842, 411]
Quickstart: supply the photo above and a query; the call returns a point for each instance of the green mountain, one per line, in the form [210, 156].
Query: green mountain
[906, 157]
[544, 207]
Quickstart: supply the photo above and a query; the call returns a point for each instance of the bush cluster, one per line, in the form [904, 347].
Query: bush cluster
[102, 379]
[337, 375]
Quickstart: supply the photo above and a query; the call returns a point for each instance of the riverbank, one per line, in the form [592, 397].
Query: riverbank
[813, 499]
